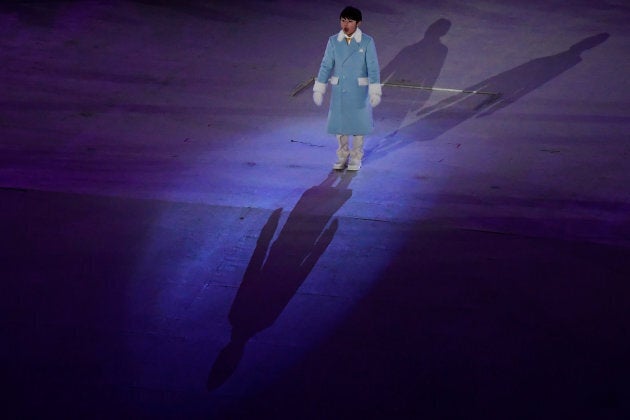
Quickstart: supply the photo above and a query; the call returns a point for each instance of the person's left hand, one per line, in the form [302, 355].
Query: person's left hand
[375, 93]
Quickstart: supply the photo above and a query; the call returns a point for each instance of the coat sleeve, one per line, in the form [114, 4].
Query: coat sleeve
[328, 62]
[373, 69]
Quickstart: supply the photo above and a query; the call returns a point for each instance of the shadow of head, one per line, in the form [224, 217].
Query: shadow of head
[588, 43]
[438, 29]
[227, 361]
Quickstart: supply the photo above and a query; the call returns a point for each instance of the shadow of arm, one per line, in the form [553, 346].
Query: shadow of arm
[318, 248]
[262, 244]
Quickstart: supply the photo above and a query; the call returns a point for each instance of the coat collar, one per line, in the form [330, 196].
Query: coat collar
[357, 35]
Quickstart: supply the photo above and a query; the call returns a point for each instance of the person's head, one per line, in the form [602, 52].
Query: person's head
[350, 18]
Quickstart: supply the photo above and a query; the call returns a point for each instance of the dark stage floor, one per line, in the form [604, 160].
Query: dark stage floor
[176, 244]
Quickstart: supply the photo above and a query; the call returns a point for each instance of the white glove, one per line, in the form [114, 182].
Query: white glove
[318, 98]
[319, 89]
[375, 92]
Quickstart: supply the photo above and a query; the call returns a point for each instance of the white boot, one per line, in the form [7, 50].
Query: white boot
[342, 152]
[356, 154]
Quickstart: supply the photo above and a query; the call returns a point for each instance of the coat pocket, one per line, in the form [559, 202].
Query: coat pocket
[334, 80]
[363, 81]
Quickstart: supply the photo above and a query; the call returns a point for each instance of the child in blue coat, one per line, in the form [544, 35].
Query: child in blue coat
[351, 65]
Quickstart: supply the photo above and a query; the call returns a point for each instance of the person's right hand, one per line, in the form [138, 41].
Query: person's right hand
[318, 98]
[318, 92]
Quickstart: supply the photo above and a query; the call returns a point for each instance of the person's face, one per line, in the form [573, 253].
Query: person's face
[348, 26]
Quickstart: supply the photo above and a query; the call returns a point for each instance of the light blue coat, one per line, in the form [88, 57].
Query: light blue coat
[350, 68]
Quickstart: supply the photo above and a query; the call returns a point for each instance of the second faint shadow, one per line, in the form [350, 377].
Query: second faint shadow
[419, 63]
[431, 122]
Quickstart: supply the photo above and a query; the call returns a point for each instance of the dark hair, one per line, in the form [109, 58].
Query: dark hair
[351, 13]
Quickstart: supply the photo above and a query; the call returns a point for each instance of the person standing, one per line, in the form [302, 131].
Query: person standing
[351, 64]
